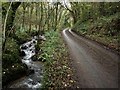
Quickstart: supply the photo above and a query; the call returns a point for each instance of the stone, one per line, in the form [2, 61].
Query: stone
[30, 45]
[30, 71]
[34, 58]
[22, 53]
[24, 47]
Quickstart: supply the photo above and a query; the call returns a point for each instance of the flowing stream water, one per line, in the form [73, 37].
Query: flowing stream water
[33, 80]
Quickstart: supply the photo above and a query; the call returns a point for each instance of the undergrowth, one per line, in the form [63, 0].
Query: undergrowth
[104, 29]
[12, 67]
[57, 73]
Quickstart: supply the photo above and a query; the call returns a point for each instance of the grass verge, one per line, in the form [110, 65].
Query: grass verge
[57, 73]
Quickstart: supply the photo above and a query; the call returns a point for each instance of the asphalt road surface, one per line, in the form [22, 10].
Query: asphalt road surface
[95, 66]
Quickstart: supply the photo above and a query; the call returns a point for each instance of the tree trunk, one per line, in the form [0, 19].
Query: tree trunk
[39, 20]
[56, 15]
[23, 24]
[10, 20]
[30, 24]
[36, 16]
[11, 15]
[48, 17]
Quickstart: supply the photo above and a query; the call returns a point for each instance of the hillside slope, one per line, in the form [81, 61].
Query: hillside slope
[104, 30]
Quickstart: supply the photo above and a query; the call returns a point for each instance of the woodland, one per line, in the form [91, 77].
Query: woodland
[98, 21]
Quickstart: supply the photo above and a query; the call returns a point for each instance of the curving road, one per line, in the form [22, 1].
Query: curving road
[94, 66]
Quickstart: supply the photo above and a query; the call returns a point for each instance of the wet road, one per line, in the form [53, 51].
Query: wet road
[95, 66]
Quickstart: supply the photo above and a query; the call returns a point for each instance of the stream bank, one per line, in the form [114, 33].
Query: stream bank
[33, 76]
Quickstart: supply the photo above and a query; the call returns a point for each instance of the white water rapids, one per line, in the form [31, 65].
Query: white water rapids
[33, 80]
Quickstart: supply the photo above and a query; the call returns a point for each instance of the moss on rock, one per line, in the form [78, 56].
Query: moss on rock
[12, 67]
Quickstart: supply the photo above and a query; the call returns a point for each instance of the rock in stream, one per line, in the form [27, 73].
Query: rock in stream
[35, 73]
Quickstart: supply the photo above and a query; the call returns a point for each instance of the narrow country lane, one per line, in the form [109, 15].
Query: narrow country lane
[95, 66]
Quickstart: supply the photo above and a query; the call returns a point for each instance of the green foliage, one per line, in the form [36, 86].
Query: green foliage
[33, 32]
[21, 35]
[99, 21]
[104, 29]
[12, 67]
[12, 73]
[11, 54]
[56, 61]
[50, 46]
